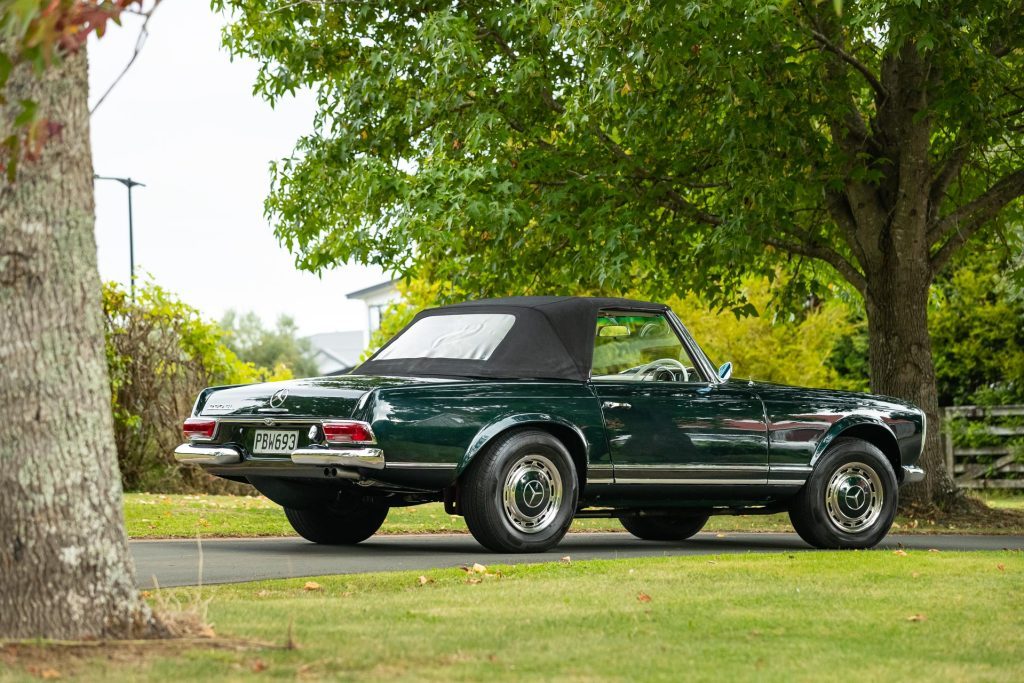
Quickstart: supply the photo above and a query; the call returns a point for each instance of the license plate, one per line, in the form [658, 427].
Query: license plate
[272, 441]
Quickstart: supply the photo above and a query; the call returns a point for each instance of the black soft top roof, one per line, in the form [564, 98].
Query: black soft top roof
[552, 338]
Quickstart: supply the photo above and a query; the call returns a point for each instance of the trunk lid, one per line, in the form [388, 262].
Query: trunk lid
[319, 397]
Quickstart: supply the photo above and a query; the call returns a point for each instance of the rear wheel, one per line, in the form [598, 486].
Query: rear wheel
[520, 494]
[677, 527]
[345, 522]
[850, 499]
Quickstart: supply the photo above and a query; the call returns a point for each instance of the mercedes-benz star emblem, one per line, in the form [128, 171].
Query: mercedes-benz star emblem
[855, 497]
[278, 398]
[533, 493]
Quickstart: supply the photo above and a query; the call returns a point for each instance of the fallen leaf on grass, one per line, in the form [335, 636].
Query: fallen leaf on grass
[1001, 567]
[44, 673]
[917, 617]
[312, 586]
[933, 550]
[914, 575]
[262, 593]
[423, 581]
[257, 666]
[474, 579]
[566, 560]
[901, 552]
[643, 597]
[477, 568]
[719, 535]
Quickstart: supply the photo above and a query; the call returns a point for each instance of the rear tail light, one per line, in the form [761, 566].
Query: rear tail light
[348, 431]
[199, 428]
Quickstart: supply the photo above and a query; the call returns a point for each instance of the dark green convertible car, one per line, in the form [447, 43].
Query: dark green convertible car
[522, 413]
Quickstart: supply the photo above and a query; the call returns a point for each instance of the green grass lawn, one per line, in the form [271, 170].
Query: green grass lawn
[185, 516]
[842, 616]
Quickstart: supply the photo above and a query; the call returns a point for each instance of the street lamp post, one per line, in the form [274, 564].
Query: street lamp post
[129, 183]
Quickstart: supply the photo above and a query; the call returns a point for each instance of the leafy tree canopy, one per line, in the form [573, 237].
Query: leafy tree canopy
[534, 146]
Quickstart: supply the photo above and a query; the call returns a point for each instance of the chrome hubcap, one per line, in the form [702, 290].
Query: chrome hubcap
[532, 494]
[854, 497]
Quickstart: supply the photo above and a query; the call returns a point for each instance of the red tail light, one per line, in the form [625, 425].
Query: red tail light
[199, 428]
[348, 431]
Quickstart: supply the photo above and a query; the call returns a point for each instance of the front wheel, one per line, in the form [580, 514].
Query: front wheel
[677, 527]
[850, 500]
[345, 522]
[519, 496]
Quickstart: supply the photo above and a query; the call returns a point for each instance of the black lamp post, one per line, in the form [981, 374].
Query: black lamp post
[129, 183]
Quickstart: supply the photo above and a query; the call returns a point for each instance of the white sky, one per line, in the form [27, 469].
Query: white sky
[184, 122]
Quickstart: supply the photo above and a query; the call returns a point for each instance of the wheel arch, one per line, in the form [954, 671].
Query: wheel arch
[865, 428]
[569, 434]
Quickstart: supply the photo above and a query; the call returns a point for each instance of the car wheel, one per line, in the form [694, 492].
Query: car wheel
[850, 499]
[346, 522]
[675, 527]
[519, 496]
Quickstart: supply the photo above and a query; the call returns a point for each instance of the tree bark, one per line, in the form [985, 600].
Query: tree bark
[900, 352]
[65, 568]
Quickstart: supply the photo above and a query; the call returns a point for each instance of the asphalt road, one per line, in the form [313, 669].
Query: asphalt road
[177, 563]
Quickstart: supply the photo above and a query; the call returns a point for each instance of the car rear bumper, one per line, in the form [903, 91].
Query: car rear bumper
[912, 474]
[368, 458]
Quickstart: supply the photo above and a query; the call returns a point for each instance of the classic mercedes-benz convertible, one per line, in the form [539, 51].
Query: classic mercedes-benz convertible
[522, 413]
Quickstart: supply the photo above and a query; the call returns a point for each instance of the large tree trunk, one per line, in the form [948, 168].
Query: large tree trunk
[65, 568]
[901, 365]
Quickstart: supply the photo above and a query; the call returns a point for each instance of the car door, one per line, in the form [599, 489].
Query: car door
[672, 426]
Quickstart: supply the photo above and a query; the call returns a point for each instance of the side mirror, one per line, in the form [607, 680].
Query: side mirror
[725, 371]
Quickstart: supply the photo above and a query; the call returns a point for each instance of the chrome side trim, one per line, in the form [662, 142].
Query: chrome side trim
[600, 480]
[207, 455]
[700, 482]
[791, 468]
[912, 474]
[372, 458]
[422, 465]
[692, 466]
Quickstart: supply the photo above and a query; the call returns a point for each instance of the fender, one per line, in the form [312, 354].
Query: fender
[837, 429]
[505, 422]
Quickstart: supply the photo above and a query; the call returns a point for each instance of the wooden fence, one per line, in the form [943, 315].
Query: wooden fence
[999, 466]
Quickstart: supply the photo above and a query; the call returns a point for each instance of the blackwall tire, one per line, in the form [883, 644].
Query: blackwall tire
[520, 494]
[664, 527]
[850, 500]
[344, 523]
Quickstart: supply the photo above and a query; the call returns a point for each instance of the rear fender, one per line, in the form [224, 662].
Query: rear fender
[504, 423]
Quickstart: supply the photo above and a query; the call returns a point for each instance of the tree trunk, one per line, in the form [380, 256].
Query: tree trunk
[900, 353]
[65, 568]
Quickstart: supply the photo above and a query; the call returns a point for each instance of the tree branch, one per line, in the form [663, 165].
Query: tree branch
[872, 80]
[826, 254]
[960, 225]
[139, 43]
[949, 172]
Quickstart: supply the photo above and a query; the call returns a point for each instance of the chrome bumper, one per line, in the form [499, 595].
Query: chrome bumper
[912, 474]
[207, 455]
[370, 458]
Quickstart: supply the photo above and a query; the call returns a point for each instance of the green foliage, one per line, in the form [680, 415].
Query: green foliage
[160, 355]
[546, 146]
[977, 325]
[280, 348]
[785, 348]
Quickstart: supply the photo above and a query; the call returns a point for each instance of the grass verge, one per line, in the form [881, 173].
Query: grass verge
[876, 615]
[184, 516]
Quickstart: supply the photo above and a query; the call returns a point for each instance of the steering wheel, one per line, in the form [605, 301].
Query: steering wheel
[662, 364]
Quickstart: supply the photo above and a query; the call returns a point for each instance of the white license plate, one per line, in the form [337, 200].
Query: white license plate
[273, 441]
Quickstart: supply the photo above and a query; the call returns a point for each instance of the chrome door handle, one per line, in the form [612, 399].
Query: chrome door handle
[609, 405]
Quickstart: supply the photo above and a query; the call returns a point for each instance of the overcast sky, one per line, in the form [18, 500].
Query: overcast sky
[184, 122]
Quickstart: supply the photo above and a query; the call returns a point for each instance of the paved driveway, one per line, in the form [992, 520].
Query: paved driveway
[176, 563]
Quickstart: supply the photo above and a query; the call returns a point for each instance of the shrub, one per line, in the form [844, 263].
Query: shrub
[161, 354]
